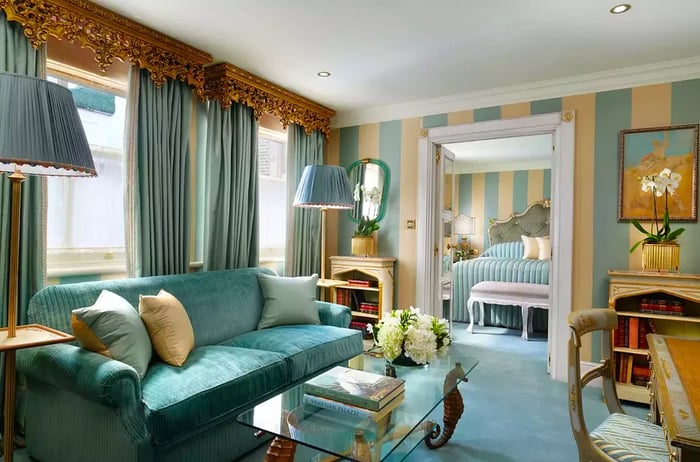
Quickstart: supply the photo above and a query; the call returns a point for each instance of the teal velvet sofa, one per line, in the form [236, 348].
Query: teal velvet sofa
[80, 406]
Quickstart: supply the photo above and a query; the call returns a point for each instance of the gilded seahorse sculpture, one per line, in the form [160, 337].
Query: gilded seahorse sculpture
[453, 409]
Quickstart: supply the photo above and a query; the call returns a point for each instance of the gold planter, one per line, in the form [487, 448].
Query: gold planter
[661, 257]
[363, 246]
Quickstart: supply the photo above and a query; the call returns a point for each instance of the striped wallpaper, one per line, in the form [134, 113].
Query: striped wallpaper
[601, 243]
[498, 195]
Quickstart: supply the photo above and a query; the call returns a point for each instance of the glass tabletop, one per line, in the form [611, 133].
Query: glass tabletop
[339, 434]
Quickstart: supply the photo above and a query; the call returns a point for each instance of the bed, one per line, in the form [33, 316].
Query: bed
[503, 261]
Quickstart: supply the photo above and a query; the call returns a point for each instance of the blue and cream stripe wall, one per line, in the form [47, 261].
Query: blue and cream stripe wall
[498, 195]
[601, 242]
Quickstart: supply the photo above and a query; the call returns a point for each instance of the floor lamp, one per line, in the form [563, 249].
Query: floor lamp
[40, 134]
[324, 187]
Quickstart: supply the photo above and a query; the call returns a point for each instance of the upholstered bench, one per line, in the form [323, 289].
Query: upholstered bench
[520, 294]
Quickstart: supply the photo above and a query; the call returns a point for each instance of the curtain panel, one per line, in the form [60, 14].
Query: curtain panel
[231, 197]
[18, 56]
[159, 166]
[304, 224]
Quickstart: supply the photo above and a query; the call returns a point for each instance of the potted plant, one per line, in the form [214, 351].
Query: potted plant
[363, 243]
[660, 249]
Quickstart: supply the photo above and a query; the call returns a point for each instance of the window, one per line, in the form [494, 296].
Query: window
[85, 216]
[272, 176]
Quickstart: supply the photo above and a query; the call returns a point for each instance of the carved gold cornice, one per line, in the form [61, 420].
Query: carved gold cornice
[110, 36]
[227, 83]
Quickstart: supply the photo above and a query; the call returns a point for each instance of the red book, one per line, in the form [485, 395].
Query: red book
[359, 282]
[634, 333]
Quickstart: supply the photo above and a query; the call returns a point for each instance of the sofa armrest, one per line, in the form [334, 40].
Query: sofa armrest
[87, 374]
[332, 314]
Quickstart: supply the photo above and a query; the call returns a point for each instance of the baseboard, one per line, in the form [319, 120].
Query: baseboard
[587, 366]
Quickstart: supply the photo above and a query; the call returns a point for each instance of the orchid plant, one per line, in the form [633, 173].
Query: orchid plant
[663, 184]
[418, 336]
[369, 199]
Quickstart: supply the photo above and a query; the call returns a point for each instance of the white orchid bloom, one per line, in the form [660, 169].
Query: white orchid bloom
[356, 193]
[665, 173]
[647, 184]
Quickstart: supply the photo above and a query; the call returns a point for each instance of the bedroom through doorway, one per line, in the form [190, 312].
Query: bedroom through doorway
[561, 128]
[502, 192]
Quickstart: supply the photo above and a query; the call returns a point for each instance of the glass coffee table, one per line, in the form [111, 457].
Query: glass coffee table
[326, 435]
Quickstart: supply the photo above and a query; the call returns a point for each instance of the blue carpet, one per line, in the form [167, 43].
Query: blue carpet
[513, 411]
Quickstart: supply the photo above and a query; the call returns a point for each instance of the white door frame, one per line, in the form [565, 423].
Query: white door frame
[561, 126]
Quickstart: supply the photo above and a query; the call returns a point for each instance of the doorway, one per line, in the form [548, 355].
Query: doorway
[561, 128]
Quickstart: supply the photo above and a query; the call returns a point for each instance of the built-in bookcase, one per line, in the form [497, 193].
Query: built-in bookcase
[649, 302]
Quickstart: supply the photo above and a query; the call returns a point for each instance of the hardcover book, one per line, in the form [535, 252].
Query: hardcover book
[359, 388]
[372, 416]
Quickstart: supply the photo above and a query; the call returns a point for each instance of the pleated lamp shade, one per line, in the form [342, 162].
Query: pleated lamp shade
[324, 186]
[41, 132]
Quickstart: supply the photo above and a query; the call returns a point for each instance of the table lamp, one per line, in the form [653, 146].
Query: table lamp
[40, 134]
[324, 187]
[466, 226]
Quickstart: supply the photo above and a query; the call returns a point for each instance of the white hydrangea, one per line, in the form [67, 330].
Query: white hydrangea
[420, 344]
[391, 338]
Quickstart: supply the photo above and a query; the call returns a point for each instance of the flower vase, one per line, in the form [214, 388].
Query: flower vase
[660, 257]
[363, 246]
[403, 360]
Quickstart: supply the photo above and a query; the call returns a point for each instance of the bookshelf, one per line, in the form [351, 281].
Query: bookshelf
[648, 302]
[369, 287]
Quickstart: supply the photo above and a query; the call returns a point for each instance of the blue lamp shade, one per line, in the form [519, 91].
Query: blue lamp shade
[41, 132]
[324, 186]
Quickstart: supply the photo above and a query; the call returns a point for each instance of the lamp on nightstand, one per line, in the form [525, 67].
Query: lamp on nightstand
[40, 134]
[465, 226]
[324, 187]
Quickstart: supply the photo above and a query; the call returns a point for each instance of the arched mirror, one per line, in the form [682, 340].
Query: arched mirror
[370, 181]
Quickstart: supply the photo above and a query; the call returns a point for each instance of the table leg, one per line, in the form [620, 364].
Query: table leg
[452, 411]
[470, 310]
[281, 450]
[526, 311]
[481, 314]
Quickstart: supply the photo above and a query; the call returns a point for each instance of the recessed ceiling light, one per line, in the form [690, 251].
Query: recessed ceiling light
[621, 8]
[324, 74]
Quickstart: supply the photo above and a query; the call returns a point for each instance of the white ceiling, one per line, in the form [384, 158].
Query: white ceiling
[503, 154]
[388, 57]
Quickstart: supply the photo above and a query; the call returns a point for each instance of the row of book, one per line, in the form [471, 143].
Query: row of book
[358, 393]
[631, 369]
[632, 332]
[662, 306]
[356, 300]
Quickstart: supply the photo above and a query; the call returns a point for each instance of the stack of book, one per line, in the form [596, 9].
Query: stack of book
[369, 307]
[358, 393]
[362, 283]
[662, 306]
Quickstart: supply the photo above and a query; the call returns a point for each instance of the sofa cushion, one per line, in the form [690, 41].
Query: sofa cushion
[288, 300]
[168, 326]
[308, 348]
[113, 328]
[214, 382]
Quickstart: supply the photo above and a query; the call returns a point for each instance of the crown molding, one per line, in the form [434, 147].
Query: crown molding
[648, 74]
[227, 84]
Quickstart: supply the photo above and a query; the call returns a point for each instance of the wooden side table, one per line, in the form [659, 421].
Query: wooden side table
[27, 336]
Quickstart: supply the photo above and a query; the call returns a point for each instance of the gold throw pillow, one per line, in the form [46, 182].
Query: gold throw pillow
[168, 326]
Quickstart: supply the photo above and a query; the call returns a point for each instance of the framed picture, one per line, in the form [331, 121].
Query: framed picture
[646, 152]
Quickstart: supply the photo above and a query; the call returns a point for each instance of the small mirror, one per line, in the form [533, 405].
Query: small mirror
[370, 181]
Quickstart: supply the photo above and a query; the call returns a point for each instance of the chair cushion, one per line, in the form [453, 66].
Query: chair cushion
[215, 381]
[308, 349]
[530, 291]
[629, 439]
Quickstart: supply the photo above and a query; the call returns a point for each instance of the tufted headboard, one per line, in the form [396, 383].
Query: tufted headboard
[534, 222]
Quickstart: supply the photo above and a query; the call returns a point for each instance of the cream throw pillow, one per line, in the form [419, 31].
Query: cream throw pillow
[531, 247]
[168, 326]
[545, 247]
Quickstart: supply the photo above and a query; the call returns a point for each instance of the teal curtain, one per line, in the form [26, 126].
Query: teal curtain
[231, 197]
[18, 56]
[304, 228]
[163, 176]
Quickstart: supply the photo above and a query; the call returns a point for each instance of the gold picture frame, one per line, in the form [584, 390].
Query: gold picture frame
[647, 151]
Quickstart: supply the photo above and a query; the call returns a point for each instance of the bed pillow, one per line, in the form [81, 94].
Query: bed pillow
[545, 248]
[168, 326]
[288, 300]
[532, 249]
[113, 328]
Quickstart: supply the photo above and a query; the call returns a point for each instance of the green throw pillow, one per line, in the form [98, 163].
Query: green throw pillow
[288, 300]
[113, 328]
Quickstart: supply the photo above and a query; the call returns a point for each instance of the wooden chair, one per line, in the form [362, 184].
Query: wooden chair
[620, 437]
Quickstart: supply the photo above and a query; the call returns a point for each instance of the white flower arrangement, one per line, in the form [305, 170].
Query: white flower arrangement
[419, 337]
